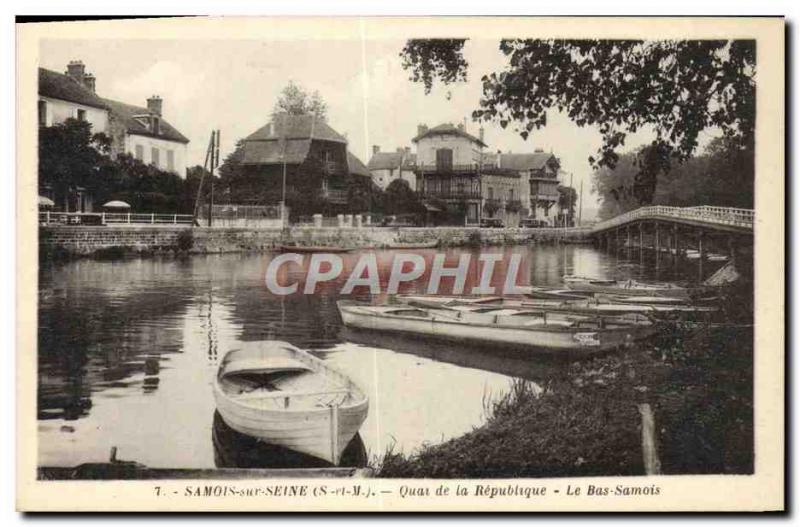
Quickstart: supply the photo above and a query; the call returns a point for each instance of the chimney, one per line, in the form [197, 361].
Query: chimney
[375, 149]
[76, 70]
[421, 129]
[154, 105]
[89, 82]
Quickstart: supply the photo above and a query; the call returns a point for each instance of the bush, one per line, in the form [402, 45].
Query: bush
[185, 240]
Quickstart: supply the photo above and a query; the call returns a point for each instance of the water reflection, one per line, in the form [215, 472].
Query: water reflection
[235, 450]
[127, 351]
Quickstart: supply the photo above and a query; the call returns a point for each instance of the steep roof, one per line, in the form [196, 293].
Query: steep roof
[448, 129]
[60, 86]
[126, 112]
[269, 152]
[355, 166]
[392, 160]
[285, 126]
[385, 160]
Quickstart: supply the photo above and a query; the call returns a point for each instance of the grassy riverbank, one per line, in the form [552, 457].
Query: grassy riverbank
[586, 422]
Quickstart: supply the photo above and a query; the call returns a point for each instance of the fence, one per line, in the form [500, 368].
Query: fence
[243, 212]
[112, 218]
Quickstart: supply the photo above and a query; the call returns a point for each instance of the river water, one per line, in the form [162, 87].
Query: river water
[128, 350]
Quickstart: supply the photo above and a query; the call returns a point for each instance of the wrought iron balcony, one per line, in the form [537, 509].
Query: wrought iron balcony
[450, 194]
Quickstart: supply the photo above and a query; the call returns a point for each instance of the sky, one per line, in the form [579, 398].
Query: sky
[232, 85]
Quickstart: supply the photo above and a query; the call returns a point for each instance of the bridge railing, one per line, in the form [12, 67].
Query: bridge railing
[719, 215]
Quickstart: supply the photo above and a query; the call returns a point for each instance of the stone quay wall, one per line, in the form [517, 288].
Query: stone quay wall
[119, 240]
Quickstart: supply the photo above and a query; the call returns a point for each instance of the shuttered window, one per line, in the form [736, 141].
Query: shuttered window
[154, 157]
[140, 152]
[170, 160]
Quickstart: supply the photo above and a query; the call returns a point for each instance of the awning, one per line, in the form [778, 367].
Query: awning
[431, 208]
[117, 204]
[45, 202]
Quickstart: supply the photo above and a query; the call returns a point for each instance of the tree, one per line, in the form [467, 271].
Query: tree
[400, 199]
[71, 156]
[676, 88]
[294, 100]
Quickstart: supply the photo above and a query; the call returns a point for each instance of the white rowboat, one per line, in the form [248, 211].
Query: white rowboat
[532, 330]
[287, 397]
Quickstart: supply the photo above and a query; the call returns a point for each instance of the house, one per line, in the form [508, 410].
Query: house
[448, 170]
[140, 131]
[539, 172]
[312, 155]
[386, 167]
[143, 133]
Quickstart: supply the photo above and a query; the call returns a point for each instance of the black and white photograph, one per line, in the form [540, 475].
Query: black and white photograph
[369, 264]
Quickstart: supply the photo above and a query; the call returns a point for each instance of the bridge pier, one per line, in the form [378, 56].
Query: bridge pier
[701, 249]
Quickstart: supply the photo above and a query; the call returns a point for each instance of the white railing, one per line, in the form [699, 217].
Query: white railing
[112, 218]
[714, 215]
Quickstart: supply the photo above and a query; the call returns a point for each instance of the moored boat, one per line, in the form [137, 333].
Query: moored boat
[413, 245]
[625, 287]
[287, 397]
[533, 330]
[313, 249]
[598, 305]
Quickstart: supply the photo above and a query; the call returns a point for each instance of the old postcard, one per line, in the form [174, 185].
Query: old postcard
[391, 264]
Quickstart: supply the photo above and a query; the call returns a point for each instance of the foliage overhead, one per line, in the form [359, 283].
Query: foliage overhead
[429, 59]
[676, 88]
[295, 100]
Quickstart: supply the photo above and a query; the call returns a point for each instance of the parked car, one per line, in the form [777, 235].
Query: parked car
[492, 223]
[533, 223]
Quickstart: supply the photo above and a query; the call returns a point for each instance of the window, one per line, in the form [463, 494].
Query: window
[154, 157]
[444, 159]
[139, 152]
[42, 113]
[491, 193]
[171, 160]
[511, 194]
[81, 114]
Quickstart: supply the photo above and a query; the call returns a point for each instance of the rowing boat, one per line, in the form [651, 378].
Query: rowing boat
[625, 287]
[287, 397]
[413, 245]
[313, 249]
[532, 330]
[599, 305]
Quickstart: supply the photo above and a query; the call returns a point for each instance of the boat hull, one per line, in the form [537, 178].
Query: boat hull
[470, 330]
[322, 432]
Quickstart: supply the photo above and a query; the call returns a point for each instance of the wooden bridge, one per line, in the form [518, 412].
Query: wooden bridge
[699, 233]
[722, 219]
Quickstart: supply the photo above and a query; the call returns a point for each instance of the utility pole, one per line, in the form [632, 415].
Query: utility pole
[580, 206]
[214, 164]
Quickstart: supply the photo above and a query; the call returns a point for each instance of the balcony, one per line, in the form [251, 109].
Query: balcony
[450, 194]
[472, 168]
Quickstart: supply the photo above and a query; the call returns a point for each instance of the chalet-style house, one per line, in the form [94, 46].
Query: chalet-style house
[386, 167]
[449, 169]
[140, 131]
[314, 156]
